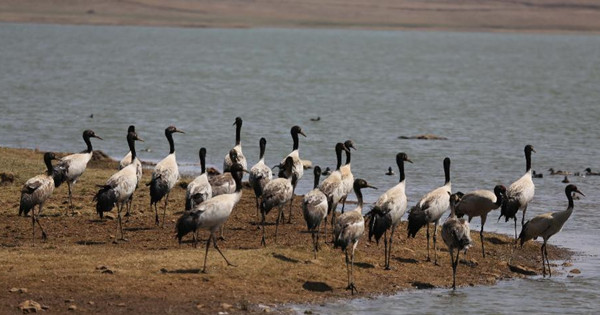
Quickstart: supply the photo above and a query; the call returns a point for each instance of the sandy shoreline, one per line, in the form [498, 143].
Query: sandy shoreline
[554, 16]
[152, 274]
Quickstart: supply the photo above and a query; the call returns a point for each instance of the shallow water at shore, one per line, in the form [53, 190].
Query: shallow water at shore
[490, 94]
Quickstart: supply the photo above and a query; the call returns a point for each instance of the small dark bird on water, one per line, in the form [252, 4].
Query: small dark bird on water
[316, 119]
[326, 172]
[536, 175]
[92, 116]
[565, 180]
[390, 172]
[588, 171]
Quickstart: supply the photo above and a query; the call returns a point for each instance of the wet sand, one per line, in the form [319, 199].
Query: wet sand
[151, 273]
[470, 15]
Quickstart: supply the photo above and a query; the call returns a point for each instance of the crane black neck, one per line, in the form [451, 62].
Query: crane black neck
[295, 139]
[400, 163]
[262, 144]
[49, 167]
[527, 160]
[238, 132]
[348, 156]
[447, 170]
[317, 177]
[169, 136]
[87, 141]
[131, 143]
[359, 196]
[202, 154]
[570, 198]
[237, 177]
[338, 153]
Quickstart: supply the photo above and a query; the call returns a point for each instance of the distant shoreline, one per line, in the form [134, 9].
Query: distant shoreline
[533, 16]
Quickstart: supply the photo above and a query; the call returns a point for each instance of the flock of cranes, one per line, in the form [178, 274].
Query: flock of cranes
[210, 201]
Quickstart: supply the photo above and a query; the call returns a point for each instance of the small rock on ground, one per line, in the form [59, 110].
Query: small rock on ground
[30, 306]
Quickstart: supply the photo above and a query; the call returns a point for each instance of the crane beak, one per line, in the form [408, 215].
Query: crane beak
[178, 130]
[579, 192]
[245, 171]
[302, 133]
[276, 166]
[139, 139]
[371, 186]
[533, 150]
[408, 160]
[98, 137]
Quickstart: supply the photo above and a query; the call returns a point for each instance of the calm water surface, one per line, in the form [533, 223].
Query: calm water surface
[490, 94]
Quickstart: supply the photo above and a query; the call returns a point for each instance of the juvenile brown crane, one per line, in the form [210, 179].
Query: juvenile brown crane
[547, 224]
[456, 234]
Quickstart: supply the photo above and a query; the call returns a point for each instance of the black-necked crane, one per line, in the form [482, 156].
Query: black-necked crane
[164, 176]
[298, 169]
[519, 193]
[547, 224]
[224, 183]
[456, 234]
[430, 209]
[260, 174]
[277, 194]
[314, 209]
[126, 160]
[199, 190]
[332, 186]
[212, 214]
[72, 166]
[346, 170]
[35, 192]
[120, 186]
[479, 203]
[389, 209]
[227, 162]
[348, 229]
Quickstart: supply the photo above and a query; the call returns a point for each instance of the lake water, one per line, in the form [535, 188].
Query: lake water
[490, 94]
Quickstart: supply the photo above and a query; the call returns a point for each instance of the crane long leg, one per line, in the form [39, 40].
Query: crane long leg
[37, 219]
[523, 218]
[165, 210]
[352, 286]
[343, 200]
[291, 201]
[390, 248]
[119, 210]
[385, 250]
[325, 229]
[516, 237]
[156, 222]
[277, 222]
[314, 234]
[454, 266]
[219, 250]
[70, 196]
[428, 257]
[543, 260]
[435, 242]
[206, 253]
[262, 223]
[33, 226]
[483, 218]
[257, 206]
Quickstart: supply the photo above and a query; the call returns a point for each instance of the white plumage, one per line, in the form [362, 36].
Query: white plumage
[238, 148]
[332, 185]
[389, 209]
[212, 214]
[298, 169]
[127, 160]
[346, 171]
[199, 190]
[71, 167]
[164, 176]
[260, 174]
[120, 186]
[429, 209]
[519, 193]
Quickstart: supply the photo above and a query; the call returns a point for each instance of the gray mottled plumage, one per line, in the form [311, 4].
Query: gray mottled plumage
[260, 174]
[547, 224]
[456, 234]
[314, 209]
[36, 191]
[277, 194]
[348, 229]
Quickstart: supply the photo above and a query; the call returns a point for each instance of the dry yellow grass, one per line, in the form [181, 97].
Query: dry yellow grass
[152, 274]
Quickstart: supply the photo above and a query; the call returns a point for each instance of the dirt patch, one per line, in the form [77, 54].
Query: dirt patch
[81, 263]
[473, 15]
